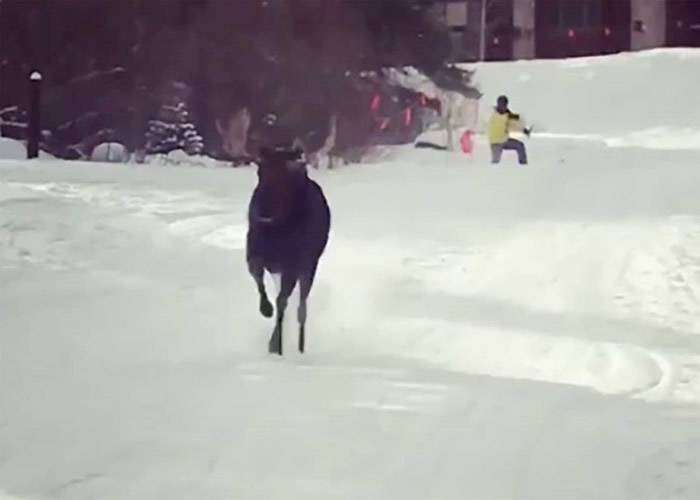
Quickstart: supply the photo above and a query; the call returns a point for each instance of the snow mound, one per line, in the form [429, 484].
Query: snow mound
[11, 149]
[110, 152]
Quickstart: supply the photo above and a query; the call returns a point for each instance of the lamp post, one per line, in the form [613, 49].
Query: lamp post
[482, 31]
[34, 126]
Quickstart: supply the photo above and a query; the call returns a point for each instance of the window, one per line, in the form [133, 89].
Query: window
[456, 14]
[578, 13]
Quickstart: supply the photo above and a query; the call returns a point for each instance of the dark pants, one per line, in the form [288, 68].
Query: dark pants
[510, 144]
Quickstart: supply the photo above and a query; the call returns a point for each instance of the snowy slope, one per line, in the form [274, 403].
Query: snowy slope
[475, 332]
[642, 99]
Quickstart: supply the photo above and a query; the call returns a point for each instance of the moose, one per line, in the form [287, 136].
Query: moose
[288, 226]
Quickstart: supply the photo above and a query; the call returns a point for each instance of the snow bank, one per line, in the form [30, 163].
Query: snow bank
[634, 98]
[180, 158]
[11, 149]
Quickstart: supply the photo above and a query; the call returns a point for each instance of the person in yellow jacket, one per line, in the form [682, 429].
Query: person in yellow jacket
[502, 122]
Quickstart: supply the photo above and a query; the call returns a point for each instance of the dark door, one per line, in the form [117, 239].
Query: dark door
[683, 23]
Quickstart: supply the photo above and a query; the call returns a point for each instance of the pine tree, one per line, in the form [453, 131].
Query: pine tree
[191, 141]
[172, 130]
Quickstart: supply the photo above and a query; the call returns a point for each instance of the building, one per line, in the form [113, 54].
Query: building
[526, 29]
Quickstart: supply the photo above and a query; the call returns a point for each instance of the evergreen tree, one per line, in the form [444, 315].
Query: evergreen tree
[172, 129]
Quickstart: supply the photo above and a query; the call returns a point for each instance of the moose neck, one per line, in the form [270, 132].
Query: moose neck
[279, 204]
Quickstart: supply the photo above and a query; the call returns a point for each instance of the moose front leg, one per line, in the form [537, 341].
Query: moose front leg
[286, 288]
[257, 271]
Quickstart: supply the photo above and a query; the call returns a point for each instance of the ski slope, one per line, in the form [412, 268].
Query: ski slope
[475, 332]
[644, 99]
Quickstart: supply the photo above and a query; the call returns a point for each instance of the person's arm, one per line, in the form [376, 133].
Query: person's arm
[515, 122]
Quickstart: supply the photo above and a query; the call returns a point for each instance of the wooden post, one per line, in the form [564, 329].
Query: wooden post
[34, 128]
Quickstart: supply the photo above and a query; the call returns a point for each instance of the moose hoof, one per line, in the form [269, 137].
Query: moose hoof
[266, 308]
[274, 346]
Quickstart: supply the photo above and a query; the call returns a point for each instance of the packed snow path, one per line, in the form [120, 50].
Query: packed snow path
[476, 332]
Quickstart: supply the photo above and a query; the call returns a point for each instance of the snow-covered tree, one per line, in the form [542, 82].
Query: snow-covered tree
[172, 129]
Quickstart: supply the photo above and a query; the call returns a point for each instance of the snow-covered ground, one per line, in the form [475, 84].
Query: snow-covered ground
[475, 331]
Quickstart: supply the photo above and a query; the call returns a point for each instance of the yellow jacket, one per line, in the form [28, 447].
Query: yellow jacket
[500, 126]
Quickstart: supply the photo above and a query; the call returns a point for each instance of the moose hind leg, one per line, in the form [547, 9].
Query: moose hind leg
[306, 281]
[257, 271]
[286, 289]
